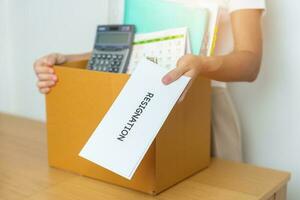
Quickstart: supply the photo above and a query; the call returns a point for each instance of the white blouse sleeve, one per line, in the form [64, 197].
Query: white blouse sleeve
[234, 5]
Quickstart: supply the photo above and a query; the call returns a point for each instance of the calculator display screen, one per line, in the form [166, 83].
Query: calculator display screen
[112, 38]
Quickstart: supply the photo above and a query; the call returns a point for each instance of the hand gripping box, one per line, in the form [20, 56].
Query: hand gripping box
[79, 101]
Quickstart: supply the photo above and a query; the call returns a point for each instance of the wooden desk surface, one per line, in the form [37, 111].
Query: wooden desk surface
[24, 174]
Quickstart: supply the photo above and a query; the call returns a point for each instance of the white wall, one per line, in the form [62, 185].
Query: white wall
[270, 107]
[34, 28]
[6, 94]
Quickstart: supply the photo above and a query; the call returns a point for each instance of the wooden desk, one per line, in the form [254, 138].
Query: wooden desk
[24, 174]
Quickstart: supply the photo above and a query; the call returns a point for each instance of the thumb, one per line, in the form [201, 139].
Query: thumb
[173, 75]
[51, 59]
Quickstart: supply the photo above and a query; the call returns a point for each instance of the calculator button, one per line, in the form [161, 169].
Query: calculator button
[115, 69]
[120, 56]
[109, 56]
[114, 56]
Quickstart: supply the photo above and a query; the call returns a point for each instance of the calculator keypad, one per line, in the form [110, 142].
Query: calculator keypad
[106, 62]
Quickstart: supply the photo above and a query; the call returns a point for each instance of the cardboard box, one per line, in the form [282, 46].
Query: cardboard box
[81, 98]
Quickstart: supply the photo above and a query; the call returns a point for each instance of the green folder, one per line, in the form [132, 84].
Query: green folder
[156, 15]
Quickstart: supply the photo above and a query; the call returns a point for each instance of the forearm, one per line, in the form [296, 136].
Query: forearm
[236, 66]
[243, 63]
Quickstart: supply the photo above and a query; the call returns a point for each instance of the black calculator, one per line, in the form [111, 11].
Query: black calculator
[112, 49]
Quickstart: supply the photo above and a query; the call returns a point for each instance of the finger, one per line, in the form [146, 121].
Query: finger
[44, 90]
[50, 60]
[44, 70]
[47, 77]
[45, 84]
[173, 75]
[40, 65]
[192, 73]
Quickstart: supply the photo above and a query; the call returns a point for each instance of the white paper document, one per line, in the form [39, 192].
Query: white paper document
[124, 135]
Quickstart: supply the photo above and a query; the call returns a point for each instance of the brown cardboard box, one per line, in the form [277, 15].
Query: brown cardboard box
[81, 98]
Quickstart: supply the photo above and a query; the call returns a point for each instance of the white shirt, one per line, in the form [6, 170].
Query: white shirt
[224, 44]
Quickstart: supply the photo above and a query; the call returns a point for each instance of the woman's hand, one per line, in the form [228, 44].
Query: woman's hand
[242, 64]
[190, 65]
[43, 68]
